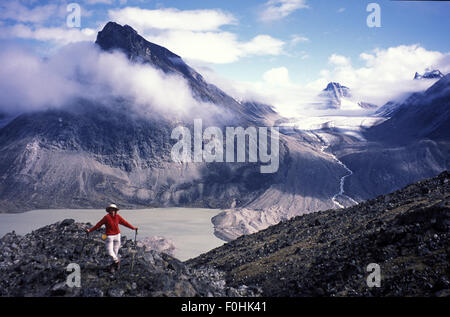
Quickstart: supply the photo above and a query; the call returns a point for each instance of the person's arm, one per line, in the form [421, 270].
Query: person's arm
[126, 224]
[98, 225]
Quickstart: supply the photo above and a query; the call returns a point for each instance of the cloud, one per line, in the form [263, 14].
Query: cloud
[82, 70]
[277, 76]
[295, 39]
[94, 2]
[279, 9]
[57, 35]
[172, 19]
[338, 60]
[274, 88]
[386, 73]
[196, 34]
[340, 10]
[216, 47]
[262, 45]
[14, 10]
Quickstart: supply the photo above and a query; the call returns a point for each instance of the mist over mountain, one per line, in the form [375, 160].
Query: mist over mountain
[422, 115]
[84, 152]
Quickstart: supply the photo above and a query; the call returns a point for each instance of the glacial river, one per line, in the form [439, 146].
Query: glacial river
[190, 229]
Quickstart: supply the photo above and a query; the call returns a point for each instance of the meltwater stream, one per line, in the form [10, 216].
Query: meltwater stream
[341, 192]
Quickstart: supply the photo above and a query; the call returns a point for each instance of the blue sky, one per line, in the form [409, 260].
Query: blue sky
[291, 43]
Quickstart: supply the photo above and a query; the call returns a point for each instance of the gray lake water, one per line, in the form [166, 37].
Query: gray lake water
[190, 229]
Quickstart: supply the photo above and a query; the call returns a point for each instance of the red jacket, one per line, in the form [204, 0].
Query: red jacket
[112, 224]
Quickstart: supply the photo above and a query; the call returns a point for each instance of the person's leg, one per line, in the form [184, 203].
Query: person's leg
[110, 248]
[116, 248]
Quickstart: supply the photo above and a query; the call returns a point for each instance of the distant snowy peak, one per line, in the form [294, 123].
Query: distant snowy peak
[429, 74]
[337, 96]
[336, 92]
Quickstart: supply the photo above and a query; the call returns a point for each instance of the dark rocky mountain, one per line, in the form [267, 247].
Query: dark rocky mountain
[422, 115]
[35, 265]
[429, 74]
[407, 233]
[71, 157]
[127, 40]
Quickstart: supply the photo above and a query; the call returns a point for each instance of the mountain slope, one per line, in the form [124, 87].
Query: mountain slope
[35, 265]
[422, 115]
[326, 253]
[86, 154]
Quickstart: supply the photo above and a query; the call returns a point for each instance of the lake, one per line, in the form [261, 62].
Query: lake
[190, 229]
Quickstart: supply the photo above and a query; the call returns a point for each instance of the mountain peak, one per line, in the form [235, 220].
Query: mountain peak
[125, 38]
[429, 74]
[116, 36]
[334, 94]
[332, 86]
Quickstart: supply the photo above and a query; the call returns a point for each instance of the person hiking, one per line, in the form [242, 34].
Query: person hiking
[111, 222]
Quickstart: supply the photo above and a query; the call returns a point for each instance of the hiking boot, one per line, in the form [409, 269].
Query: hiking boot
[112, 268]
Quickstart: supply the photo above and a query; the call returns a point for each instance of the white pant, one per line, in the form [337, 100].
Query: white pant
[112, 246]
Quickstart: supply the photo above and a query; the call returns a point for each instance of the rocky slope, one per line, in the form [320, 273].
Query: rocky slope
[327, 253]
[35, 265]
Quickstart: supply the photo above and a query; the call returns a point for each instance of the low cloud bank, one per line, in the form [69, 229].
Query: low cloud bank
[81, 70]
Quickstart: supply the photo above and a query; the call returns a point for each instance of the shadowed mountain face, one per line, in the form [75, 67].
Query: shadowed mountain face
[422, 115]
[87, 154]
[126, 39]
[414, 143]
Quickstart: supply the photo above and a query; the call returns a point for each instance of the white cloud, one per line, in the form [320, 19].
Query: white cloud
[340, 10]
[277, 77]
[278, 9]
[82, 70]
[58, 35]
[295, 39]
[196, 34]
[275, 88]
[14, 10]
[93, 2]
[172, 19]
[215, 47]
[386, 73]
[339, 60]
[263, 45]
